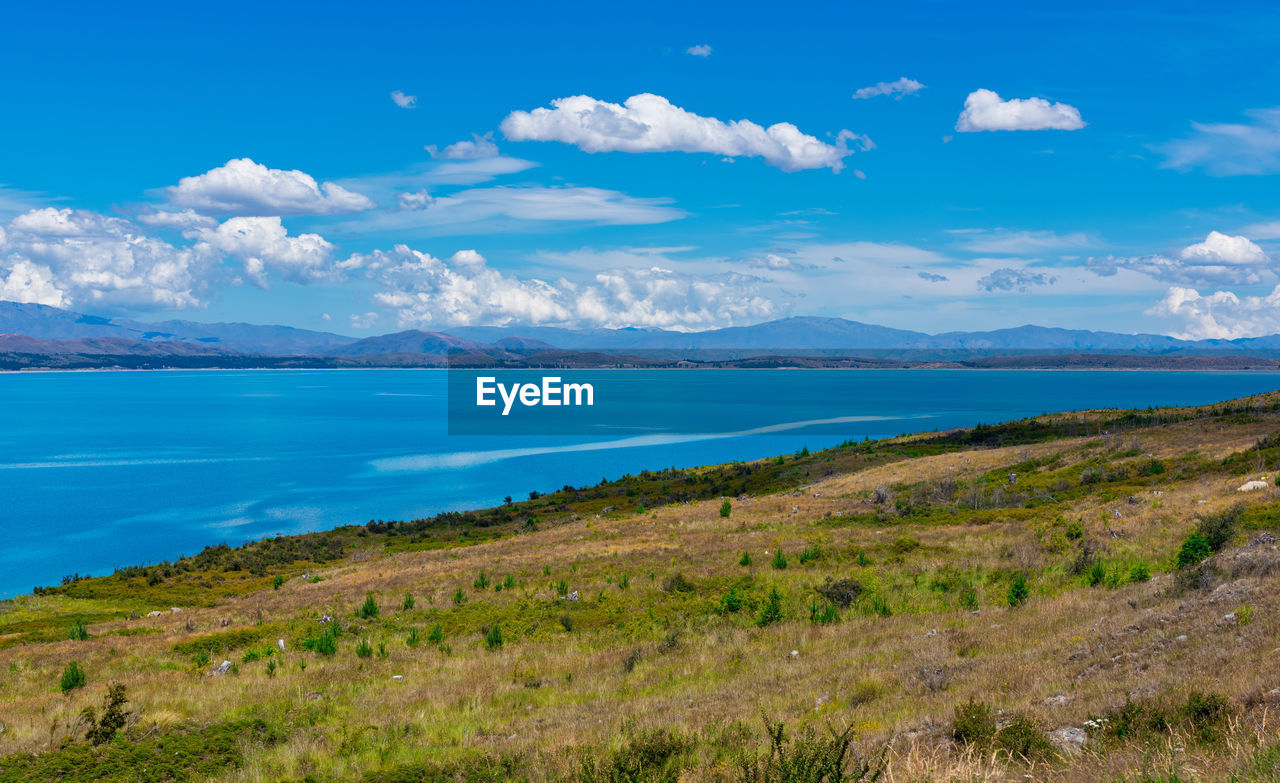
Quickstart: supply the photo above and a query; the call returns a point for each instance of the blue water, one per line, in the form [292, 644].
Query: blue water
[99, 470]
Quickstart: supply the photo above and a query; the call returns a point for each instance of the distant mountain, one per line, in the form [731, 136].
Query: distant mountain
[52, 323]
[107, 346]
[801, 335]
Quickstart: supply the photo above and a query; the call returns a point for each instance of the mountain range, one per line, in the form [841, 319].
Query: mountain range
[39, 329]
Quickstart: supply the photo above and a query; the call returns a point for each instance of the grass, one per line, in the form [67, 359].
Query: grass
[625, 647]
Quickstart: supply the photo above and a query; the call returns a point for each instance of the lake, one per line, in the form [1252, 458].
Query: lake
[107, 469]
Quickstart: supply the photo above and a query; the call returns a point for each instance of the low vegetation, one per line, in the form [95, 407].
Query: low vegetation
[1075, 597]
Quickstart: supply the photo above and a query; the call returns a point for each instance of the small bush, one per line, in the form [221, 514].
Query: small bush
[482, 582]
[779, 560]
[72, 677]
[508, 582]
[103, 730]
[459, 597]
[369, 609]
[904, 545]
[414, 638]
[657, 755]
[808, 756]
[1021, 738]
[1195, 548]
[1019, 591]
[771, 612]
[79, 631]
[823, 614]
[326, 641]
[731, 602]
[364, 649]
[277, 582]
[566, 622]
[630, 662]
[745, 560]
[436, 634]
[811, 553]
[974, 723]
[408, 602]
[840, 592]
[493, 638]
[1140, 573]
[676, 583]
[725, 508]
[1097, 573]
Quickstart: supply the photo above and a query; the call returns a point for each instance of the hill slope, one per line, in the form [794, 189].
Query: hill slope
[1075, 597]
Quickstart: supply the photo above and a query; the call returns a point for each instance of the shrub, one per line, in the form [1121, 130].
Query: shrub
[731, 601]
[808, 756]
[1195, 548]
[676, 583]
[72, 677]
[823, 614]
[369, 609]
[566, 622]
[904, 545]
[624, 582]
[1019, 592]
[1152, 467]
[840, 592]
[408, 602]
[482, 582]
[508, 582]
[493, 638]
[658, 755]
[629, 663]
[459, 597]
[1097, 573]
[436, 634]
[104, 729]
[1140, 573]
[745, 560]
[1021, 738]
[1206, 713]
[725, 508]
[79, 631]
[326, 641]
[364, 649]
[810, 553]
[1218, 529]
[1074, 531]
[779, 560]
[974, 723]
[277, 582]
[968, 596]
[771, 612]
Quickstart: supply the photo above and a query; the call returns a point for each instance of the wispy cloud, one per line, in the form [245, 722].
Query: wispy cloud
[404, 101]
[1229, 149]
[701, 50]
[897, 89]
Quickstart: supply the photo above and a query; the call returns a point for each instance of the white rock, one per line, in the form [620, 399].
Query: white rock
[223, 668]
[397, 677]
[1250, 486]
[280, 644]
[1070, 738]
[153, 614]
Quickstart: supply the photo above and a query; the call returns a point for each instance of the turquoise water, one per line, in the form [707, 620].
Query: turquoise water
[99, 470]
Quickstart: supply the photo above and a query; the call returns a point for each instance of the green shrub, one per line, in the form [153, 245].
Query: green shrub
[72, 677]
[566, 622]
[725, 508]
[1140, 573]
[974, 723]
[676, 583]
[482, 582]
[745, 560]
[414, 638]
[1152, 467]
[364, 649]
[1019, 591]
[408, 602]
[811, 553]
[1097, 573]
[657, 755]
[493, 638]
[632, 660]
[114, 716]
[508, 582]
[771, 612]
[1074, 531]
[779, 560]
[823, 614]
[809, 757]
[325, 640]
[731, 602]
[1195, 548]
[459, 597]
[277, 582]
[79, 631]
[840, 592]
[369, 609]
[904, 545]
[1021, 738]
[436, 634]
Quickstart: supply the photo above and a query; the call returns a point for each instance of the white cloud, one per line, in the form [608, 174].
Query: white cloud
[514, 208]
[701, 50]
[984, 110]
[1220, 259]
[1021, 243]
[243, 187]
[404, 101]
[186, 220]
[427, 291]
[1229, 149]
[74, 257]
[417, 200]
[1220, 315]
[364, 320]
[899, 88]
[650, 123]
[1008, 279]
[264, 245]
[478, 147]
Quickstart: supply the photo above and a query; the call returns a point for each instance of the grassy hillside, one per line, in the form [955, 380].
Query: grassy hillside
[1072, 598]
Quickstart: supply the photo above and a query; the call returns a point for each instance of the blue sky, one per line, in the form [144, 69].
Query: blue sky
[1115, 168]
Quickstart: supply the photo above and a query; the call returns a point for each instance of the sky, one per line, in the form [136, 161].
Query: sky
[365, 169]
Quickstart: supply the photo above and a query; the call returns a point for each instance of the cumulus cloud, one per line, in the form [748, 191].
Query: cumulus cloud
[984, 110]
[897, 89]
[1229, 149]
[66, 257]
[404, 101]
[243, 187]
[701, 50]
[1221, 315]
[418, 200]
[478, 147]
[1008, 279]
[651, 123]
[427, 291]
[186, 220]
[1220, 259]
[264, 245]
